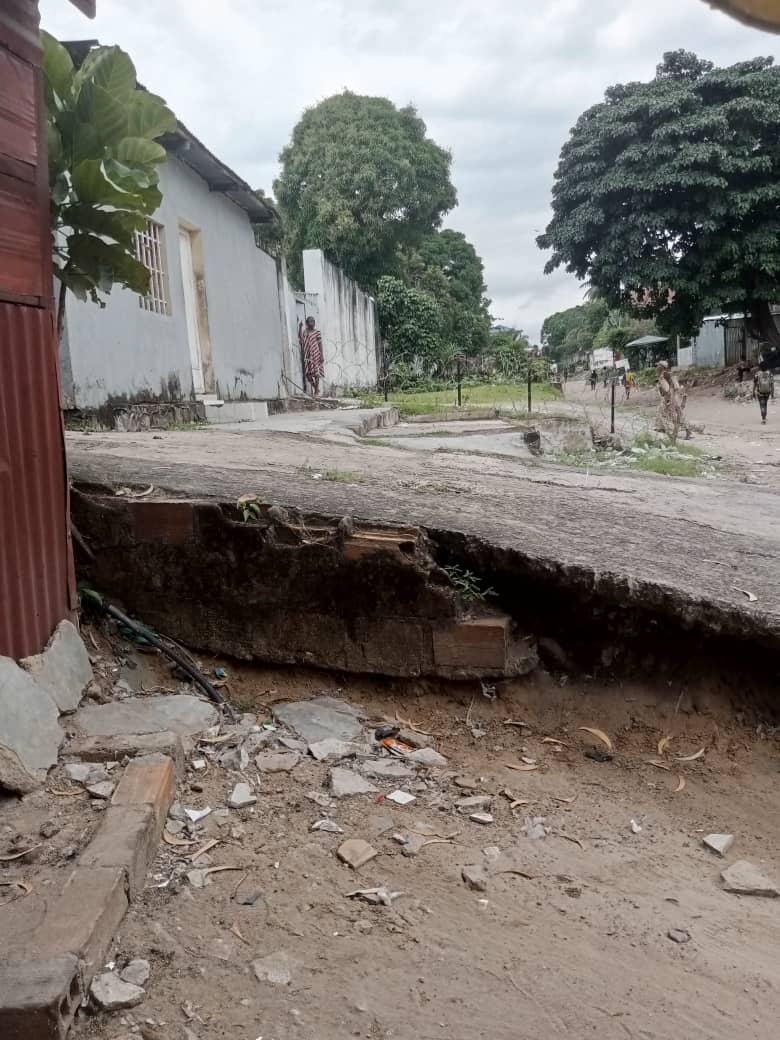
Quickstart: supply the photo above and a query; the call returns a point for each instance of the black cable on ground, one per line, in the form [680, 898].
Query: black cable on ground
[197, 677]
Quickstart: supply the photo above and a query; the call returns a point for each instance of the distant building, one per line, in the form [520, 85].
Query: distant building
[722, 340]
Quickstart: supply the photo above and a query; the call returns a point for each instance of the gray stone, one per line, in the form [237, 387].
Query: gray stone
[474, 803]
[63, 669]
[198, 877]
[78, 772]
[379, 824]
[466, 783]
[241, 796]
[236, 759]
[248, 896]
[277, 761]
[720, 843]
[679, 935]
[428, 758]
[332, 750]
[413, 739]
[49, 828]
[746, 880]
[14, 777]
[292, 744]
[356, 853]
[180, 713]
[277, 968]
[481, 817]
[385, 769]
[491, 853]
[110, 993]
[102, 790]
[28, 728]
[475, 877]
[319, 719]
[344, 783]
[411, 844]
[329, 826]
[137, 972]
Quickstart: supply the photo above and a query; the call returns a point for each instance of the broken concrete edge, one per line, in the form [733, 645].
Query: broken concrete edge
[63, 668]
[47, 970]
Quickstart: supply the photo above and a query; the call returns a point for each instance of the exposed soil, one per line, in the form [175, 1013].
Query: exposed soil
[574, 946]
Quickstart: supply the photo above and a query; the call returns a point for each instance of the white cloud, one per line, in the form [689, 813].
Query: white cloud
[499, 82]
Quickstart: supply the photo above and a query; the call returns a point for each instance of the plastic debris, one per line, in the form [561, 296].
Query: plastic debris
[194, 815]
[635, 827]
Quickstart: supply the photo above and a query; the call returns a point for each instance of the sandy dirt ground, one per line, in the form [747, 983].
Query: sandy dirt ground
[576, 944]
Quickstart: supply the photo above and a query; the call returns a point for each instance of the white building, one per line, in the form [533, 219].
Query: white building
[218, 329]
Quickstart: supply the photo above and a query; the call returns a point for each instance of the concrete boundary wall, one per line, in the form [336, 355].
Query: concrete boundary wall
[347, 318]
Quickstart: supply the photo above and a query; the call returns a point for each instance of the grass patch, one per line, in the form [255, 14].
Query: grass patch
[374, 442]
[343, 476]
[668, 466]
[432, 401]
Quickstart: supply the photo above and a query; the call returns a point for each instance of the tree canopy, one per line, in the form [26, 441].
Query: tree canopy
[667, 194]
[410, 319]
[361, 178]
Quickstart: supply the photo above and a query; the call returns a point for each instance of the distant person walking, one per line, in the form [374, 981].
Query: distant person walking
[593, 379]
[763, 388]
[310, 340]
[629, 384]
[605, 373]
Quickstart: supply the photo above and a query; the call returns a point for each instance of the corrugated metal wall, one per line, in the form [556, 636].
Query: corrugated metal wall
[36, 584]
[35, 569]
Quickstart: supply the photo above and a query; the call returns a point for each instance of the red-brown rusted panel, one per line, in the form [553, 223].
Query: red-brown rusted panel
[36, 585]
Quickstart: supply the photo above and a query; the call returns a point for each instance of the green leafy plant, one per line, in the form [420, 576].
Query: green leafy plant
[468, 585]
[103, 168]
[249, 508]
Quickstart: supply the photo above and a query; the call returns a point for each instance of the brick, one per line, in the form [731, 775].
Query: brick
[172, 523]
[472, 645]
[127, 838]
[399, 543]
[119, 746]
[81, 920]
[149, 780]
[39, 999]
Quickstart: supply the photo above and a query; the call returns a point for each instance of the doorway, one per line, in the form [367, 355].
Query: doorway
[191, 309]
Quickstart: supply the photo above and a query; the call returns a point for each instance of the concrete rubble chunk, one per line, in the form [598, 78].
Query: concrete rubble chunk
[63, 669]
[241, 796]
[356, 853]
[320, 719]
[476, 877]
[110, 993]
[414, 739]
[744, 879]
[474, 803]
[428, 758]
[137, 972]
[720, 843]
[277, 968]
[292, 744]
[331, 749]
[236, 759]
[29, 726]
[130, 745]
[277, 761]
[180, 713]
[411, 844]
[102, 790]
[481, 817]
[345, 784]
[41, 994]
[14, 777]
[386, 769]
[329, 826]
[78, 772]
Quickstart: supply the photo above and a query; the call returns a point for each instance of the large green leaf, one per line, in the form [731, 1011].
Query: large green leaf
[57, 67]
[102, 110]
[139, 150]
[148, 116]
[100, 259]
[120, 225]
[110, 68]
[132, 178]
[92, 186]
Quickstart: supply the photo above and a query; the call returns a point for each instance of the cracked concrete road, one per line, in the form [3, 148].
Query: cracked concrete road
[693, 543]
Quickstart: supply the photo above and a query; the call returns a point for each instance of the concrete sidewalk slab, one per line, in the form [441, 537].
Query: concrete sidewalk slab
[181, 714]
[28, 723]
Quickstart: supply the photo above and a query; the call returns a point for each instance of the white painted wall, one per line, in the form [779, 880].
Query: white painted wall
[124, 350]
[348, 323]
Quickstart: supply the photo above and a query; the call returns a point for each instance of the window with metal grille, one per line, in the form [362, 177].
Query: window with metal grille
[150, 250]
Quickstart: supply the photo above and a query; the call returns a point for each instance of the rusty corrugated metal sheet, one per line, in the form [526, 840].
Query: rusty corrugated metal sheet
[36, 587]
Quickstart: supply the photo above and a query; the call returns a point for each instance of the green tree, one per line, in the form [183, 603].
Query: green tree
[509, 350]
[359, 179]
[103, 168]
[446, 265]
[410, 320]
[667, 194]
[568, 332]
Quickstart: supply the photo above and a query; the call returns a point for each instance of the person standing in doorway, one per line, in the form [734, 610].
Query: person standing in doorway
[763, 388]
[310, 340]
[593, 379]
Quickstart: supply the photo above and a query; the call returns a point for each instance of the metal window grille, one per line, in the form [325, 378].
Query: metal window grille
[150, 250]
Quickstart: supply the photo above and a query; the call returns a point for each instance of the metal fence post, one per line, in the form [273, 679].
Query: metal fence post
[458, 373]
[529, 386]
[612, 423]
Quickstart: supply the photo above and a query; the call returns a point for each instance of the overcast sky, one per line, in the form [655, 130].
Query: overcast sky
[499, 83]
